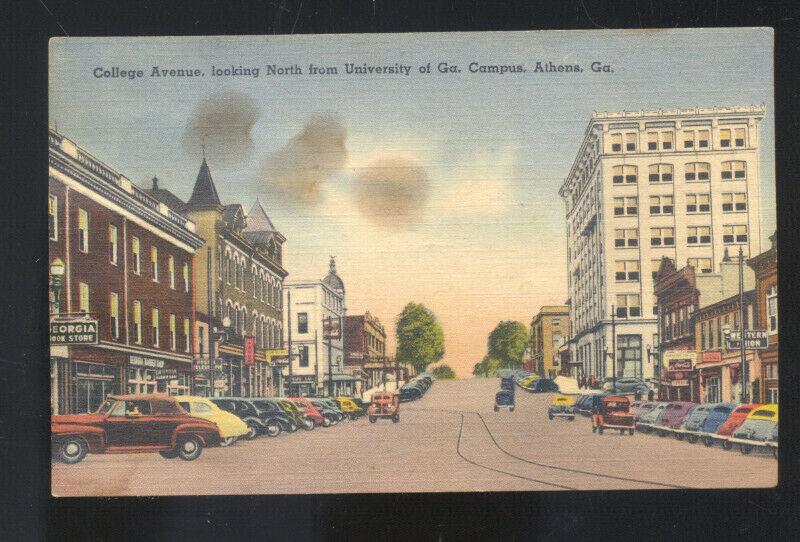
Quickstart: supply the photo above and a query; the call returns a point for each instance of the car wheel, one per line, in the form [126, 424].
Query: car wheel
[726, 445]
[252, 431]
[594, 429]
[775, 453]
[71, 450]
[373, 419]
[600, 429]
[621, 431]
[745, 449]
[273, 429]
[292, 427]
[662, 433]
[691, 439]
[708, 441]
[679, 436]
[227, 441]
[326, 422]
[308, 425]
[495, 408]
[571, 418]
[396, 418]
[190, 448]
[550, 416]
[169, 454]
[630, 431]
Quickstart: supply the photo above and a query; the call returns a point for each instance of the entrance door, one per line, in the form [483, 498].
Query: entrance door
[93, 383]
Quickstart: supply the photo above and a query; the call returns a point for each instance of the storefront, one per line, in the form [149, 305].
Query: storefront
[720, 376]
[680, 381]
[769, 375]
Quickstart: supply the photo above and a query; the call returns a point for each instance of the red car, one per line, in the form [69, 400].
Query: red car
[132, 424]
[613, 412]
[309, 411]
[673, 416]
[733, 422]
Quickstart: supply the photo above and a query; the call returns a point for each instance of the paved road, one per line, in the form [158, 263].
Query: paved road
[450, 440]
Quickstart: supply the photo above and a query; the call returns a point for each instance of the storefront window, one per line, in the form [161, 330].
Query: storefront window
[179, 386]
[713, 394]
[629, 355]
[93, 383]
[141, 380]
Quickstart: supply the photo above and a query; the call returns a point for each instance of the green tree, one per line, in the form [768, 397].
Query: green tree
[420, 338]
[443, 372]
[489, 366]
[507, 344]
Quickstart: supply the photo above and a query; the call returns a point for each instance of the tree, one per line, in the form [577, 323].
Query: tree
[420, 338]
[443, 372]
[507, 343]
[487, 367]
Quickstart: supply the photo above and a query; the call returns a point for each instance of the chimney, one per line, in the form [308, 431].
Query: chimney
[155, 183]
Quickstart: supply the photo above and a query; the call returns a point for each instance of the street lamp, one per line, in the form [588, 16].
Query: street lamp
[57, 270]
[215, 336]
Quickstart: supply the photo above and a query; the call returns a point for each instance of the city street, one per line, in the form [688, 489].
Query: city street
[450, 440]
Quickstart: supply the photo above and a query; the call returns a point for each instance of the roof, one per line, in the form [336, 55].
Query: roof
[257, 219]
[204, 193]
[166, 197]
[332, 279]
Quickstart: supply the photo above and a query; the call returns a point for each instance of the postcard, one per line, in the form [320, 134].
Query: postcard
[445, 262]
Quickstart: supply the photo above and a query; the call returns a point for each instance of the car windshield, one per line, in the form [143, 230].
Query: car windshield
[755, 429]
[106, 407]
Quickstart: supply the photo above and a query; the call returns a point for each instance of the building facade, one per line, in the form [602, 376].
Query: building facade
[765, 266]
[681, 184]
[549, 331]
[128, 262]
[365, 348]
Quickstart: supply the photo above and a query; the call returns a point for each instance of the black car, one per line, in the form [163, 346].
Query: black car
[256, 421]
[409, 393]
[544, 385]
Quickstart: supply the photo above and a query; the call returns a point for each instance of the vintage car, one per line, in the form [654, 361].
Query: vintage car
[350, 407]
[294, 413]
[591, 403]
[726, 430]
[544, 385]
[717, 416]
[384, 404]
[640, 407]
[613, 412]
[673, 416]
[758, 430]
[259, 419]
[230, 426]
[409, 393]
[504, 399]
[309, 411]
[132, 424]
[329, 407]
[561, 406]
[650, 419]
[528, 381]
[626, 386]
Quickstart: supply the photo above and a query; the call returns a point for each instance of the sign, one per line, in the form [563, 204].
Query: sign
[755, 339]
[141, 361]
[277, 356]
[167, 374]
[250, 350]
[680, 383]
[331, 328]
[680, 360]
[69, 332]
[712, 357]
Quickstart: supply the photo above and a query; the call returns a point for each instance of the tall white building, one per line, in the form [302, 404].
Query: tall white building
[676, 183]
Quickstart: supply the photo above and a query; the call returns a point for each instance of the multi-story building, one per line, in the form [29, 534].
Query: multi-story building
[128, 263]
[765, 266]
[677, 183]
[365, 347]
[549, 331]
[311, 306]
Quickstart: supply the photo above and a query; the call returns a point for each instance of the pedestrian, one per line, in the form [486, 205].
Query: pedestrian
[650, 395]
[637, 396]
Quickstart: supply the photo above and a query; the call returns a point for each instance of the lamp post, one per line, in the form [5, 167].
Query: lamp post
[743, 371]
[57, 270]
[215, 336]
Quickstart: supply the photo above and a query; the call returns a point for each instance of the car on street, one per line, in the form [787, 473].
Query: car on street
[132, 424]
[650, 419]
[332, 406]
[309, 411]
[717, 416]
[613, 412]
[504, 399]
[409, 393]
[726, 430]
[591, 403]
[692, 422]
[673, 416]
[350, 407]
[333, 416]
[626, 386]
[544, 385]
[384, 404]
[230, 426]
[561, 406]
[528, 381]
[640, 407]
[260, 417]
[293, 412]
[758, 430]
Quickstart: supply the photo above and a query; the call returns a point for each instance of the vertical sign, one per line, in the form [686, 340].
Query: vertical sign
[250, 350]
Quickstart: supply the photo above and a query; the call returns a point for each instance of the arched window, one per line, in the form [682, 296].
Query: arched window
[228, 267]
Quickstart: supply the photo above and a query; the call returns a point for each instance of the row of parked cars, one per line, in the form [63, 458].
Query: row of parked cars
[534, 383]
[416, 387]
[181, 426]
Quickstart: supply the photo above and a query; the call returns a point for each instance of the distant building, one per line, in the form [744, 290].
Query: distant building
[365, 347]
[549, 331]
[765, 266]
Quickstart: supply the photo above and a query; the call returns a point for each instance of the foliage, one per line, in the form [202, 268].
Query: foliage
[487, 367]
[420, 338]
[507, 343]
[443, 372]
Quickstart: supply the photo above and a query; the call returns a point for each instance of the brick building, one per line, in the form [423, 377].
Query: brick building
[549, 331]
[365, 347]
[765, 266]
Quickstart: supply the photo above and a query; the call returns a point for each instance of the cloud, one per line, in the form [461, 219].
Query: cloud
[296, 172]
[391, 190]
[223, 123]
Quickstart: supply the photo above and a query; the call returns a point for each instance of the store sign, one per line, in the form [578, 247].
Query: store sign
[680, 383]
[141, 361]
[332, 328]
[753, 340]
[167, 374]
[277, 356]
[69, 332]
[712, 357]
[250, 350]
[680, 360]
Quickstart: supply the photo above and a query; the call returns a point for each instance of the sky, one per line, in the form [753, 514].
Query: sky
[436, 188]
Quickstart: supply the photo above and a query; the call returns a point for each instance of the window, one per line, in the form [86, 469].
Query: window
[303, 351]
[661, 205]
[302, 322]
[137, 322]
[660, 173]
[702, 139]
[616, 142]
[734, 202]
[629, 355]
[630, 141]
[734, 234]
[154, 263]
[656, 265]
[83, 230]
[662, 237]
[626, 270]
[698, 203]
[772, 310]
[154, 327]
[227, 268]
[186, 277]
[171, 268]
[697, 171]
[702, 335]
[739, 137]
[255, 282]
[136, 261]
[666, 140]
[771, 373]
[625, 206]
[688, 139]
[652, 141]
[624, 174]
[736, 169]
[52, 217]
[626, 238]
[173, 339]
[201, 340]
[725, 138]
[701, 265]
[219, 262]
[698, 235]
[112, 244]
[83, 290]
[113, 311]
[628, 305]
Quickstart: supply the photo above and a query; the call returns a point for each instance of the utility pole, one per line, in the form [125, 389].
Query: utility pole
[329, 333]
[744, 376]
[396, 372]
[289, 349]
[614, 348]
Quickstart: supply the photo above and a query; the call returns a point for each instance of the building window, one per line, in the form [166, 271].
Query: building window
[739, 137]
[186, 277]
[688, 139]
[227, 268]
[626, 238]
[725, 138]
[625, 206]
[662, 237]
[171, 268]
[629, 355]
[255, 282]
[616, 142]
[713, 390]
[302, 322]
[219, 262]
[83, 230]
[624, 174]
[698, 171]
[154, 327]
[772, 310]
[701, 265]
[695, 139]
[52, 217]
[113, 311]
[735, 169]
[626, 270]
[734, 234]
[154, 263]
[136, 260]
[734, 202]
[666, 140]
[661, 205]
[83, 290]
[112, 244]
[303, 351]
[628, 305]
[656, 265]
[698, 203]
[173, 338]
[137, 322]
[630, 141]
[652, 141]
[660, 173]
[698, 235]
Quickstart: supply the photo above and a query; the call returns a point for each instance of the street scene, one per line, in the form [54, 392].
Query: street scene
[255, 289]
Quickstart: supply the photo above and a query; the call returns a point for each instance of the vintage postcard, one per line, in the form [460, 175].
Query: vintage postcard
[441, 262]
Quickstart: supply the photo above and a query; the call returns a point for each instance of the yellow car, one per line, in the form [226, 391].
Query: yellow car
[528, 381]
[231, 427]
[349, 407]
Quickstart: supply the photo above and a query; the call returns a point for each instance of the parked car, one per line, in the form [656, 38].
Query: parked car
[591, 403]
[333, 405]
[734, 421]
[544, 385]
[384, 405]
[561, 406]
[132, 424]
[758, 430]
[528, 381]
[333, 416]
[309, 411]
[350, 407]
[258, 420]
[409, 393]
[649, 420]
[673, 416]
[580, 401]
[613, 412]
[692, 423]
[230, 426]
[640, 407]
[717, 416]
[626, 386]
[293, 412]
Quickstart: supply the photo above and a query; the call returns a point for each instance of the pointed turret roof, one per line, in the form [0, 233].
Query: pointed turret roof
[204, 193]
[257, 219]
